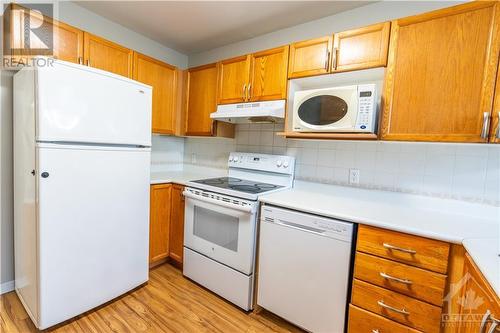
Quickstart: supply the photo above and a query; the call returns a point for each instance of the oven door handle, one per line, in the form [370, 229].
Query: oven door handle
[248, 209]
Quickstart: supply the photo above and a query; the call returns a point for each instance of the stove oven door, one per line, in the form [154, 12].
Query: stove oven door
[221, 228]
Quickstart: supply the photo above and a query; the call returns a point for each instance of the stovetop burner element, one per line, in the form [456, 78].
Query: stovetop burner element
[237, 184]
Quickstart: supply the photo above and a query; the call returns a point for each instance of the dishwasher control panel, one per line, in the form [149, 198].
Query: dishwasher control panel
[306, 222]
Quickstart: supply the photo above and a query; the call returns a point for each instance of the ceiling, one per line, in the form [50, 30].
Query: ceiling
[195, 26]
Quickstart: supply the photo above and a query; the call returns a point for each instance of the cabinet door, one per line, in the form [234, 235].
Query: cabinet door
[106, 55]
[201, 100]
[67, 40]
[495, 117]
[177, 224]
[159, 222]
[269, 75]
[310, 57]
[233, 76]
[162, 77]
[477, 299]
[441, 74]
[361, 48]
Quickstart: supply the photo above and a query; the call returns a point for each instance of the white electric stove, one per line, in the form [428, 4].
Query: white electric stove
[221, 219]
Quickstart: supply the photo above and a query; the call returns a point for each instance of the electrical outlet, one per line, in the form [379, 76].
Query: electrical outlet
[354, 176]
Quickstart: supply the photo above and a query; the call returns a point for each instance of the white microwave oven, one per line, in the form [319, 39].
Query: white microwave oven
[336, 109]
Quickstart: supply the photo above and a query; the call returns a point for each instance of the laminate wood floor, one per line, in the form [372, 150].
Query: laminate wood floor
[168, 303]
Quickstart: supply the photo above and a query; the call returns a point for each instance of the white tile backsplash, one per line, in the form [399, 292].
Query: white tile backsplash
[468, 172]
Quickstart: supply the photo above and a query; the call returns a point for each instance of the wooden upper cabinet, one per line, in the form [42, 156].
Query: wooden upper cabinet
[67, 40]
[103, 54]
[361, 48]
[495, 117]
[269, 75]
[477, 299]
[162, 77]
[159, 222]
[441, 74]
[201, 99]
[233, 79]
[310, 57]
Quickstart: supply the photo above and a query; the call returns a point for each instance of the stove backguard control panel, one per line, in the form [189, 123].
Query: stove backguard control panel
[262, 162]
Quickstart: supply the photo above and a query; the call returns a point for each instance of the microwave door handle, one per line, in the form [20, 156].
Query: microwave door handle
[248, 209]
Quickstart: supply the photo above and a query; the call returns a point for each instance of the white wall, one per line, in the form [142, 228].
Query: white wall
[358, 17]
[88, 21]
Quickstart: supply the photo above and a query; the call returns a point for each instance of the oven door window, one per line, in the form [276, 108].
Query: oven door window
[216, 228]
[322, 110]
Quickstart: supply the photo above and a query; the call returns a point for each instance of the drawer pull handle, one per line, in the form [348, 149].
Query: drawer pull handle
[375, 331]
[388, 307]
[392, 278]
[493, 327]
[486, 316]
[396, 248]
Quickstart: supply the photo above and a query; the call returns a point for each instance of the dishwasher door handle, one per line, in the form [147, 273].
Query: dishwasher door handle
[300, 227]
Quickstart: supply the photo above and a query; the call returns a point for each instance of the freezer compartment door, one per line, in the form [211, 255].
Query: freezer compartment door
[93, 227]
[80, 104]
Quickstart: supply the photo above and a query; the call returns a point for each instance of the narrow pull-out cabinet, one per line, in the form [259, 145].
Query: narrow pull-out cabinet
[361, 48]
[163, 78]
[177, 224]
[159, 222]
[441, 74]
[106, 55]
[310, 57]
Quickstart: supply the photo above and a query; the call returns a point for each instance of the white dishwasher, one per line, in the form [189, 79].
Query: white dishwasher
[304, 268]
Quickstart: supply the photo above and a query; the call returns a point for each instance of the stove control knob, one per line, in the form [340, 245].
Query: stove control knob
[235, 159]
[279, 163]
[241, 159]
[230, 158]
[285, 164]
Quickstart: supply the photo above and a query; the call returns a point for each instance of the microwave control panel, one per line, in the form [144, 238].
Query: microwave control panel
[367, 105]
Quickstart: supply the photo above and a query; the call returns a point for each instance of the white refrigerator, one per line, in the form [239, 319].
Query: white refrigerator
[82, 141]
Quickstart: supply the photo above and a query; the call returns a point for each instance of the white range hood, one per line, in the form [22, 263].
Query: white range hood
[254, 112]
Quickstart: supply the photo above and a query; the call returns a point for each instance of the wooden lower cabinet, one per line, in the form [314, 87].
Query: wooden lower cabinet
[412, 250]
[479, 304]
[166, 230]
[177, 224]
[364, 321]
[159, 222]
[399, 282]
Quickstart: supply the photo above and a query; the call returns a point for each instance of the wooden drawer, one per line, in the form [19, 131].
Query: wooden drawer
[363, 321]
[412, 250]
[412, 281]
[419, 315]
